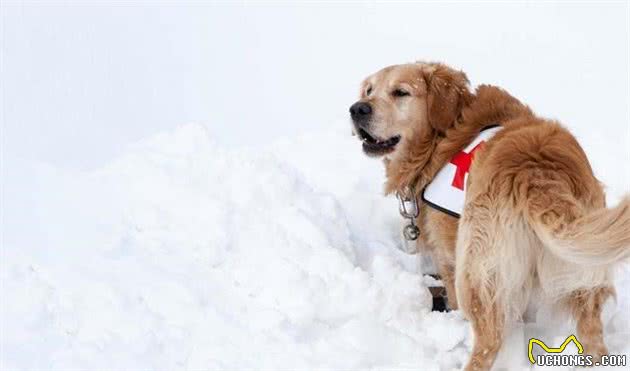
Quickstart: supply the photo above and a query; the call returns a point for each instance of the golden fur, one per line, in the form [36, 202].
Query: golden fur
[534, 217]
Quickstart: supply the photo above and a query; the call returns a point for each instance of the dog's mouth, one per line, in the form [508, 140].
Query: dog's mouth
[377, 147]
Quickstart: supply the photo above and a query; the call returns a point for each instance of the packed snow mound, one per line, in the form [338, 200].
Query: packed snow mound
[183, 254]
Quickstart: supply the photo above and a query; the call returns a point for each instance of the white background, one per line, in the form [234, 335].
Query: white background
[82, 80]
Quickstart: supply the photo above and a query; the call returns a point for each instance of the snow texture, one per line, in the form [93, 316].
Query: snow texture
[183, 254]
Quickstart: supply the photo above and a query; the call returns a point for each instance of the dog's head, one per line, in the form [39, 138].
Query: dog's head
[401, 102]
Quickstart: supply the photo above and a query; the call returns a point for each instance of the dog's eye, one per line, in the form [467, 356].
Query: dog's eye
[368, 91]
[400, 93]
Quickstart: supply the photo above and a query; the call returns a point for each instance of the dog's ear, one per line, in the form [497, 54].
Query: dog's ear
[447, 93]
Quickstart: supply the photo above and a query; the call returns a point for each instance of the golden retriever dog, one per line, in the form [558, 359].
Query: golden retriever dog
[534, 216]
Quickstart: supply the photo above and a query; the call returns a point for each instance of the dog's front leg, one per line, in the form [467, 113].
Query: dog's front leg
[446, 270]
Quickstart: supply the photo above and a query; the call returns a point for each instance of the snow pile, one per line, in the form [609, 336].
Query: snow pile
[182, 254]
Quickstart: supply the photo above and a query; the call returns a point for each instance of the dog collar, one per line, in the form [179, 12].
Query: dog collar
[447, 190]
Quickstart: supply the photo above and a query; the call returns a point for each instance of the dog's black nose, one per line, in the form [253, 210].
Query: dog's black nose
[360, 110]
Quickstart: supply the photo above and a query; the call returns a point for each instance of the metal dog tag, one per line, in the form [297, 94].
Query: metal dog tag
[411, 232]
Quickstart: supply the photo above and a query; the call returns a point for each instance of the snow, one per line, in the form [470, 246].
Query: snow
[185, 254]
[256, 236]
[214, 258]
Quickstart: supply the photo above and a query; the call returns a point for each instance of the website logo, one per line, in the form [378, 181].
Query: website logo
[554, 356]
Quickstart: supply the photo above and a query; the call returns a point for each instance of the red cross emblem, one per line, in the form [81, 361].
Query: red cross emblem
[463, 161]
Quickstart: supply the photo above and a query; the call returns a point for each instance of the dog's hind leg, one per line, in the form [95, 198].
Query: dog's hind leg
[475, 286]
[586, 306]
[488, 326]
[494, 270]
[582, 240]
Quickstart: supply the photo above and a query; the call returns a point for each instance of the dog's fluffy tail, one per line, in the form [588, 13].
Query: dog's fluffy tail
[599, 238]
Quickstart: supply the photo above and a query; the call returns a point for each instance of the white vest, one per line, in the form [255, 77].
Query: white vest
[447, 190]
